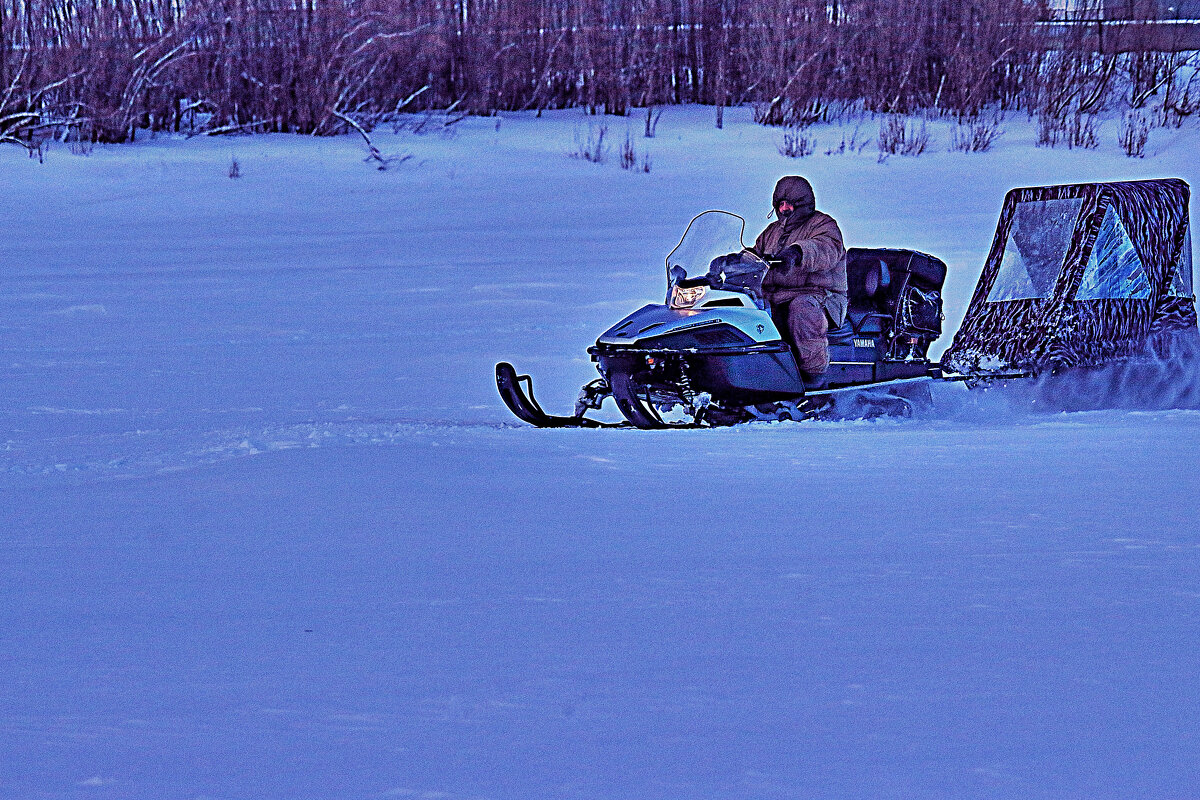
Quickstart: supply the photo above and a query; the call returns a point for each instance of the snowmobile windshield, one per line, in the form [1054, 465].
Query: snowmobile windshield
[711, 255]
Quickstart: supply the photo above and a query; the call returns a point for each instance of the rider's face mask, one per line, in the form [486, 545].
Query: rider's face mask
[784, 208]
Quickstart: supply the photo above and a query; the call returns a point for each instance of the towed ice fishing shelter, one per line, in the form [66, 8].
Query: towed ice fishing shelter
[1082, 275]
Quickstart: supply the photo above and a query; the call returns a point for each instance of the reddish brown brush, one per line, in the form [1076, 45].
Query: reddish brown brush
[102, 70]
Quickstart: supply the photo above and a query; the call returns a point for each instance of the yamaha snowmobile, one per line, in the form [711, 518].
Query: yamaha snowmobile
[712, 354]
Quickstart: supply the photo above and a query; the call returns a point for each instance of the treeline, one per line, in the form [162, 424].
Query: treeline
[104, 69]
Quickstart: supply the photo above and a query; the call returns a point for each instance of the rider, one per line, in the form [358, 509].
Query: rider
[807, 287]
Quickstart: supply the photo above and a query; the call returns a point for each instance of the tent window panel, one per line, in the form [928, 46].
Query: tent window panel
[1035, 249]
[1114, 270]
[1181, 279]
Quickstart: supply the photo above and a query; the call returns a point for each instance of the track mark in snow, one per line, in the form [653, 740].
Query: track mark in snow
[34, 297]
[147, 451]
[512, 287]
[89, 308]
[88, 412]
[170, 451]
[511, 301]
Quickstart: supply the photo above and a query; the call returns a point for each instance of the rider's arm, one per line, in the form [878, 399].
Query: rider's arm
[822, 249]
[819, 251]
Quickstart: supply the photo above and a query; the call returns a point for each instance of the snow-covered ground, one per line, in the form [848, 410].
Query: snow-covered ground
[268, 531]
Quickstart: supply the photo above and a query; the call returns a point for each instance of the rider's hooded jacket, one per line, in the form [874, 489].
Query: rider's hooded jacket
[821, 269]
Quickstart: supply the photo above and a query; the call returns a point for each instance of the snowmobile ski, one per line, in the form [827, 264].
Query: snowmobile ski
[517, 393]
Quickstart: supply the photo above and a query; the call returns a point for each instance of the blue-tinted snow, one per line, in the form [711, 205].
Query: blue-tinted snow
[269, 533]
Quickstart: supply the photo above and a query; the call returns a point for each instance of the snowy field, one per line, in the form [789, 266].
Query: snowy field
[268, 531]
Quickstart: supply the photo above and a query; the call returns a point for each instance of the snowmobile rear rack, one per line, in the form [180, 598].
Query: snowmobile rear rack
[517, 393]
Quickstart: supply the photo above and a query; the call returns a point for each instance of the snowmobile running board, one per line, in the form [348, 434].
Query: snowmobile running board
[868, 387]
[517, 393]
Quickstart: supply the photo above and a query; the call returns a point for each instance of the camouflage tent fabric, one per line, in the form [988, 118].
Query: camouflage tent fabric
[1082, 275]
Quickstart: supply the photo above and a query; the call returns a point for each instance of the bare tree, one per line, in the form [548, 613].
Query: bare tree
[111, 68]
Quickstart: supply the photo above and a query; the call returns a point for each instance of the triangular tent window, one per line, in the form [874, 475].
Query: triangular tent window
[1181, 277]
[1114, 270]
[1037, 244]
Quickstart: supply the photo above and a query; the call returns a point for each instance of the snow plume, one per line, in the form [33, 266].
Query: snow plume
[1146, 383]
[1151, 384]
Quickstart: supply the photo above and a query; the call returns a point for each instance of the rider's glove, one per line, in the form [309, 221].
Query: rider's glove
[790, 257]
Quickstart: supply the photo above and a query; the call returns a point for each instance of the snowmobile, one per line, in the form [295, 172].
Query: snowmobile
[1084, 283]
[712, 354]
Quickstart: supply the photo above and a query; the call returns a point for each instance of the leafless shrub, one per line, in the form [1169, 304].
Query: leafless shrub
[79, 141]
[1081, 131]
[976, 135]
[652, 118]
[1051, 129]
[854, 145]
[628, 154]
[646, 163]
[1077, 129]
[206, 65]
[593, 148]
[1135, 132]
[891, 135]
[1069, 83]
[374, 155]
[235, 169]
[898, 137]
[1149, 72]
[26, 118]
[917, 141]
[768, 113]
[797, 143]
[440, 121]
[1181, 97]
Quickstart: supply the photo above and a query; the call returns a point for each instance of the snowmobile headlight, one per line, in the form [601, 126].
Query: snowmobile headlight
[686, 296]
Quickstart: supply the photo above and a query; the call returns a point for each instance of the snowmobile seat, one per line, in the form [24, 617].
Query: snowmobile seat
[843, 335]
[869, 280]
[859, 323]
